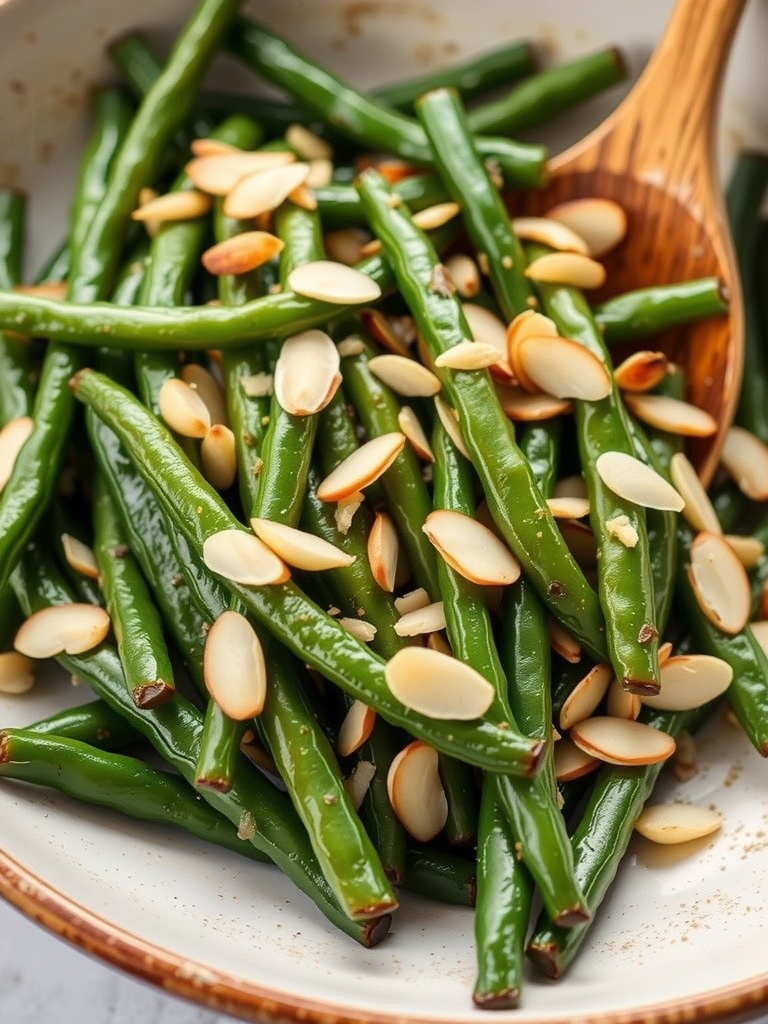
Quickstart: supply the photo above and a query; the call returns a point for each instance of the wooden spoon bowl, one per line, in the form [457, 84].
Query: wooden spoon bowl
[655, 155]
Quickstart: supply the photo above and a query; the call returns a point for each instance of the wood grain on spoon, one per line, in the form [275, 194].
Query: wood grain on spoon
[655, 155]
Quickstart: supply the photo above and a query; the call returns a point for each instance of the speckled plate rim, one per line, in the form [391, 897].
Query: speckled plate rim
[220, 991]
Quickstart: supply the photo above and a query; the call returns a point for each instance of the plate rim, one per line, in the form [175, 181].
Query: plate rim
[120, 948]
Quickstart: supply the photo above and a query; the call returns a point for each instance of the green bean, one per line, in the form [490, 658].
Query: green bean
[359, 118]
[95, 723]
[548, 93]
[440, 875]
[488, 435]
[56, 267]
[16, 354]
[339, 204]
[219, 749]
[635, 315]
[68, 517]
[10, 617]
[197, 513]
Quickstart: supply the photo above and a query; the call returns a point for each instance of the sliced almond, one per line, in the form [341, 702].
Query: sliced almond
[525, 407]
[584, 698]
[430, 619]
[563, 642]
[241, 253]
[56, 290]
[241, 557]
[359, 628]
[359, 782]
[465, 274]
[62, 628]
[621, 703]
[218, 173]
[671, 414]
[12, 438]
[412, 601]
[307, 373]
[571, 762]
[264, 191]
[471, 549]
[218, 457]
[699, 512]
[749, 550]
[362, 467]
[567, 268]
[450, 422]
[306, 144]
[563, 368]
[438, 642]
[665, 652]
[345, 511]
[257, 385]
[632, 480]
[684, 763]
[298, 548]
[17, 673]
[234, 670]
[355, 728]
[410, 424]
[183, 409]
[349, 347]
[304, 196]
[436, 685]
[547, 231]
[641, 371]
[208, 388]
[676, 823]
[320, 174]
[416, 792]
[759, 630]
[720, 582]
[568, 508]
[468, 355]
[433, 217]
[745, 458]
[404, 376]
[573, 486]
[344, 245]
[602, 223]
[396, 334]
[183, 205]
[79, 556]
[690, 680]
[622, 529]
[620, 741]
[211, 147]
[334, 283]
[383, 550]
[528, 324]
[487, 329]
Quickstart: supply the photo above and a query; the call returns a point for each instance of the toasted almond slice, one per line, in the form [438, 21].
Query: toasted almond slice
[62, 629]
[690, 680]
[404, 376]
[257, 385]
[621, 703]
[430, 619]
[344, 245]
[306, 144]
[568, 268]
[760, 632]
[433, 217]
[359, 628]
[79, 556]
[241, 253]
[218, 173]
[218, 457]
[234, 670]
[471, 549]
[641, 371]
[211, 147]
[359, 782]
[749, 550]
[351, 346]
[205, 384]
[383, 550]
[745, 458]
[410, 424]
[307, 373]
[45, 290]
[602, 223]
[584, 698]
[264, 191]
[12, 438]
[438, 642]
[563, 642]
[720, 582]
[183, 409]
[528, 324]
[671, 414]
[345, 511]
[632, 480]
[362, 467]
[549, 232]
[468, 355]
[568, 508]
[620, 741]
[623, 530]
[447, 416]
[580, 541]
[394, 333]
[573, 486]
[241, 557]
[17, 673]
[320, 174]
[183, 205]
[299, 549]
[436, 685]
[699, 512]
[304, 196]
[563, 368]
[334, 283]
[486, 329]
[665, 652]
[571, 762]
[465, 274]
[355, 728]
[416, 792]
[525, 407]
[676, 823]
[412, 601]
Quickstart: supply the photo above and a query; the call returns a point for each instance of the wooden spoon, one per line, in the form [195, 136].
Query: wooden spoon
[655, 155]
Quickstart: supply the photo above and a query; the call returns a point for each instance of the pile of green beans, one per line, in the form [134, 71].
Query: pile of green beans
[140, 311]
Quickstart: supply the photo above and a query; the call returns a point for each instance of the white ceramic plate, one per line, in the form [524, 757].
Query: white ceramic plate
[682, 933]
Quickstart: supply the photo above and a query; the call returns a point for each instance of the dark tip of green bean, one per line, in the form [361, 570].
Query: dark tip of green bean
[153, 694]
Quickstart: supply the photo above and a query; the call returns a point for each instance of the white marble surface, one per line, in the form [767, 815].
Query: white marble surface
[39, 971]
